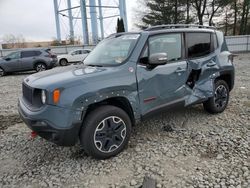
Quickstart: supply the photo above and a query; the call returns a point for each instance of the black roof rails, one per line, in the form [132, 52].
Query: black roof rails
[171, 26]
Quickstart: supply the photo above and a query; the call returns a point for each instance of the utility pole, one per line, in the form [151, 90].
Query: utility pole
[58, 31]
[101, 18]
[71, 28]
[93, 18]
[92, 15]
[123, 13]
[84, 22]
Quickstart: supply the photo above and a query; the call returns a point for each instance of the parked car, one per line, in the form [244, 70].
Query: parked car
[127, 77]
[28, 59]
[73, 57]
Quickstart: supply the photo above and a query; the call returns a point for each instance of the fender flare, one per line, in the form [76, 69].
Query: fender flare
[83, 102]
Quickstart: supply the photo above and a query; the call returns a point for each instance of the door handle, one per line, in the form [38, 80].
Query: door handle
[179, 70]
[211, 64]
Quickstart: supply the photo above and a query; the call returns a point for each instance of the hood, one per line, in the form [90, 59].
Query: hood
[64, 76]
[1, 59]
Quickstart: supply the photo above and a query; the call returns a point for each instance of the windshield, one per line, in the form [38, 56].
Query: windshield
[112, 51]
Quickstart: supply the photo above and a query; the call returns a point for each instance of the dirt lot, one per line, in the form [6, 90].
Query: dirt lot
[206, 151]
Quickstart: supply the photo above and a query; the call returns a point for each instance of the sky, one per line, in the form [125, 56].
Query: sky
[35, 20]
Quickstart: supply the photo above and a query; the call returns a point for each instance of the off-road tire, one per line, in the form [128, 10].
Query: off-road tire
[93, 128]
[219, 101]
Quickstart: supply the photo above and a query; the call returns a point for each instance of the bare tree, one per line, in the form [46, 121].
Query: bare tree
[235, 16]
[200, 7]
[9, 39]
[244, 17]
[187, 11]
[20, 41]
[14, 41]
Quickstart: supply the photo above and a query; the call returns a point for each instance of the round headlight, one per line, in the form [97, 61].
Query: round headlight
[43, 96]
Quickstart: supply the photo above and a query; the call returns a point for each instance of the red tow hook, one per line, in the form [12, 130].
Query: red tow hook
[33, 134]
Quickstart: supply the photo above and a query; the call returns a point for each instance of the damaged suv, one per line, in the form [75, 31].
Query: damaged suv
[125, 78]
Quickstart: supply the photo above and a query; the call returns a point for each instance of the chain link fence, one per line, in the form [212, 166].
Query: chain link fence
[239, 43]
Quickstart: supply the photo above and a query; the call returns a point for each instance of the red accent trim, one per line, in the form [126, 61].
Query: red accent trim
[149, 99]
[33, 134]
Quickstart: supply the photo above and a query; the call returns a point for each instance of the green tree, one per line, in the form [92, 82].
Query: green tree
[120, 26]
[232, 16]
[163, 12]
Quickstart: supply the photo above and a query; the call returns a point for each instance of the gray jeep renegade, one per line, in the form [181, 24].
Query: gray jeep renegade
[127, 77]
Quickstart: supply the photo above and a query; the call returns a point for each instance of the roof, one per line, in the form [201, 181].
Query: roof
[171, 28]
[31, 49]
[178, 26]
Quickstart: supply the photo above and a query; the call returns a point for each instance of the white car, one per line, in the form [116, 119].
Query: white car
[74, 56]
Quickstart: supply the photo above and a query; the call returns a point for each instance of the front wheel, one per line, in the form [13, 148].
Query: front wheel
[2, 72]
[105, 132]
[219, 101]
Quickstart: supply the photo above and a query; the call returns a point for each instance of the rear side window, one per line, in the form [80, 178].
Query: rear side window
[38, 53]
[166, 43]
[25, 54]
[198, 44]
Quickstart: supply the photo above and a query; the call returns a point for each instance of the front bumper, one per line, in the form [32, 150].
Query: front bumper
[46, 125]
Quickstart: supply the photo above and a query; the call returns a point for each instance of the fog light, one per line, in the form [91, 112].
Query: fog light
[43, 96]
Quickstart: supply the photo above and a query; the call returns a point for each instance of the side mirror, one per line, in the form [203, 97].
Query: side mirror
[158, 59]
[7, 59]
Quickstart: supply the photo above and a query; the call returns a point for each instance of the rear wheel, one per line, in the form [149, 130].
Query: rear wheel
[40, 67]
[63, 62]
[105, 132]
[2, 72]
[219, 101]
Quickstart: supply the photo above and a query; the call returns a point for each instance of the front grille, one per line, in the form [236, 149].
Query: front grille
[27, 93]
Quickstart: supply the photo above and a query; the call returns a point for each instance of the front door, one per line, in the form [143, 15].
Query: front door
[163, 84]
[77, 56]
[13, 61]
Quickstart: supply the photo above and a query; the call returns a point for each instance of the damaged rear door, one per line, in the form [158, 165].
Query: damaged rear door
[203, 65]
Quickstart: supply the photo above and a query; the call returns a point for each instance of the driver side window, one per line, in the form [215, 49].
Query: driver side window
[166, 43]
[75, 53]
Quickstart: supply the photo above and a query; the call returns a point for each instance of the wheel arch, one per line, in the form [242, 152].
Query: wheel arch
[4, 71]
[63, 58]
[228, 78]
[40, 61]
[120, 102]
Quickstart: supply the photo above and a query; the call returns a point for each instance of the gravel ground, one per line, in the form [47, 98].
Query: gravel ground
[204, 151]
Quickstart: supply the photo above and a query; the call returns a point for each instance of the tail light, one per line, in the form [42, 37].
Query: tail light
[51, 55]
